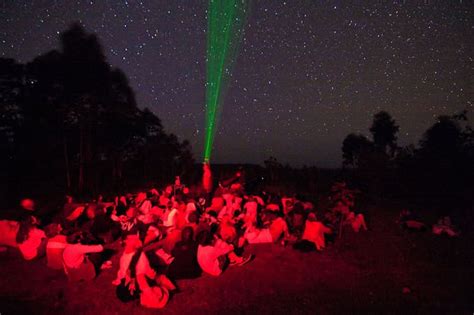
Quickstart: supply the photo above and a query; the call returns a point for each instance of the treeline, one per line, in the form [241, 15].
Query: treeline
[437, 173]
[69, 122]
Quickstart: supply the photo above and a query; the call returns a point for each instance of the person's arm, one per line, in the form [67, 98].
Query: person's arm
[222, 248]
[123, 268]
[326, 230]
[85, 249]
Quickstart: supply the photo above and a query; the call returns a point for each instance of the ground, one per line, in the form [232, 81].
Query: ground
[384, 270]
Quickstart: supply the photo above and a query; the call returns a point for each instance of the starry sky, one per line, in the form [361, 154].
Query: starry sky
[307, 73]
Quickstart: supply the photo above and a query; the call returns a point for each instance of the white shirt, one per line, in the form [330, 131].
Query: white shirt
[207, 256]
[73, 255]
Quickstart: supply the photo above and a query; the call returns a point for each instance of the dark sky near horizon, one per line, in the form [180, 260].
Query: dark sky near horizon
[307, 74]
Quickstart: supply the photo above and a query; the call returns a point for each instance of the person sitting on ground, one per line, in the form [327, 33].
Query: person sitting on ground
[99, 224]
[273, 204]
[214, 255]
[30, 239]
[227, 230]
[157, 247]
[185, 264]
[296, 219]
[356, 221]
[144, 209]
[77, 264]
[251, 210]
[313, 236]
[410, 220]
[277, 230]
[170, 216]
[57, 242]
[444, 226]
[8, 232]
[28, 211]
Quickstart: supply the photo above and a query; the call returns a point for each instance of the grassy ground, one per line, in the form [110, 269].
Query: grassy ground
[362, 273]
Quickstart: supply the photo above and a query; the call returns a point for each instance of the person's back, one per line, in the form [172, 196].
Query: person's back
[314, 232]
[76, 264]
[33, 246]
[278, 228]
[185, 264]
[54, 251]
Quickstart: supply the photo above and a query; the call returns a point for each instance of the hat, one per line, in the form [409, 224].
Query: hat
[154, 297]
[28, 204]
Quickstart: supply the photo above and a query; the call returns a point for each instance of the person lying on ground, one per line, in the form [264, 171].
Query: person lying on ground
[134, 274]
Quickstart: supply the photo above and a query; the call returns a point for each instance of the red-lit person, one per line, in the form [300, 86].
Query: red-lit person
[77, 265]
[206, 177]
[135, 272]
[214, 255]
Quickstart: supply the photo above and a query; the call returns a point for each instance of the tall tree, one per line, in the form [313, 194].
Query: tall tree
[68, 119]
[384, 132]
[354, 148]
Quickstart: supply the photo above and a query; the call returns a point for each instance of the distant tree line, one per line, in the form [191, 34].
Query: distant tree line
[69, 122]
[438, 173]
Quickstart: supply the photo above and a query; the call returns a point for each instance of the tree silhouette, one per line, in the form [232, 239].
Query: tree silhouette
[70, 122]
[354, 148]
[384, 131]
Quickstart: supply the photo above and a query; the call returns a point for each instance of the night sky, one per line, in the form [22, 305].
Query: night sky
[307, 74]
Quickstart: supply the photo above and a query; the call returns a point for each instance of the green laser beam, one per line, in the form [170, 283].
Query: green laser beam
[225, 20]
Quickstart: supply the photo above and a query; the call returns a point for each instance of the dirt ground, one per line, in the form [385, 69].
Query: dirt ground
[362, 273]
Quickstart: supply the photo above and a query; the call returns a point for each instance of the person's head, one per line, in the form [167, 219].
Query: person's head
[123, 200]
[91, 211]
[204, 238]
[52, 230]
[298, 207]
[77, 237]
[27, 204]
[24, 230]
[187, 234]
[193, 217]
[312, 217]
[131, 212]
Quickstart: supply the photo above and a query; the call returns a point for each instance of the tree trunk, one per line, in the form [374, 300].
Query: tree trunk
[80, 185]
[66, 163]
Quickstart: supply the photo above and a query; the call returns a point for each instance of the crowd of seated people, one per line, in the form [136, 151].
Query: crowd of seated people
[164, 235]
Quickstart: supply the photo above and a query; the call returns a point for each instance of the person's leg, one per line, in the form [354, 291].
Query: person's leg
[259, 236]
[86, 271]
[42, 248]
[165, 282]
[96, 259]
[362, 221]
